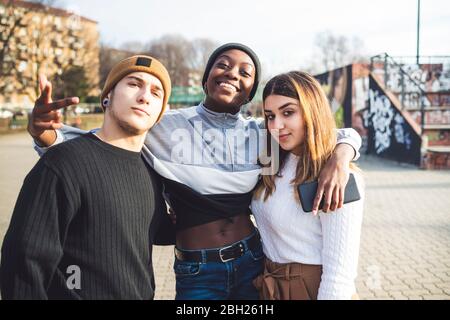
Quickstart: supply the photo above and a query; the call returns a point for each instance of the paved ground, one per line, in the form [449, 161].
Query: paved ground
[405, 245]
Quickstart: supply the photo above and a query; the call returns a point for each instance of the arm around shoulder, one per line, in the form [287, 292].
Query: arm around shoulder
[63, 134]
[351, 137]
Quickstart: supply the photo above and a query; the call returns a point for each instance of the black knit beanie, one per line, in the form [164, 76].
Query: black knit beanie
[238, 46]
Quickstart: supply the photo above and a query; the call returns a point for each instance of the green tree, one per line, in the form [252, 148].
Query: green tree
[72, 83]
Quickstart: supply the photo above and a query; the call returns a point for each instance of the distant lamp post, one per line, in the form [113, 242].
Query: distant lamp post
[418, 31]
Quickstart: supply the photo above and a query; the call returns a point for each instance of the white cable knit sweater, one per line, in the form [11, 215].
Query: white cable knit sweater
[331, 239]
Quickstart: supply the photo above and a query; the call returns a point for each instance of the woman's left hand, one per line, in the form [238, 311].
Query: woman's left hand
[333, 180]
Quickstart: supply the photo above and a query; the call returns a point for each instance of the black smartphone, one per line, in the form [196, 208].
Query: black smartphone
[307, 192]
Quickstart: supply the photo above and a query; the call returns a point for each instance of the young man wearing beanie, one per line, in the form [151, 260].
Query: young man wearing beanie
[88, 212]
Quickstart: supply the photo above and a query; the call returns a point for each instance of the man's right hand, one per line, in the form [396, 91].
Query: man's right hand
[46, 116]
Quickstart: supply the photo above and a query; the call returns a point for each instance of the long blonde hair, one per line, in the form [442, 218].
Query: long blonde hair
[320, 129]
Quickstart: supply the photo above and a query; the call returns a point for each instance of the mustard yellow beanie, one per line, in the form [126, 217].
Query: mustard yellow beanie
[139, 63]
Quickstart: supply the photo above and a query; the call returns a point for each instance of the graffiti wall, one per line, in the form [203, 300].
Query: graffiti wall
[433, 79]
[437, 125]
[390, 134]
[433, 116]
[439, 137]
[338, 88]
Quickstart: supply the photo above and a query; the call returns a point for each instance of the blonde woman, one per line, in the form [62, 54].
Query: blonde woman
[307, 256]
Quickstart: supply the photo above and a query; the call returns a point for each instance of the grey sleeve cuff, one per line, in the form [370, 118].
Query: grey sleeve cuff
[41, 150]
[352, 138]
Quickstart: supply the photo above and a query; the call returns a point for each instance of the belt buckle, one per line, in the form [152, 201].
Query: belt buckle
[178, 254]
[228, 247]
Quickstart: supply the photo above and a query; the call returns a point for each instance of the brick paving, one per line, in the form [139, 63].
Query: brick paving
[405, 244]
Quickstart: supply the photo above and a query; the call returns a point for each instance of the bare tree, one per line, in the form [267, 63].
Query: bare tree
[133, 46]
[336, 51]
[108, 58]
[177, 54]
[202, 48]
[185, 60]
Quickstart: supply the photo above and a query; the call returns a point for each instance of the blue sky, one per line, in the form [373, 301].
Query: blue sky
[281, 32]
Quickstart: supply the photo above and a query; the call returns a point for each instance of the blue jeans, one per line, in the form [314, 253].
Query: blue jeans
[231, 280]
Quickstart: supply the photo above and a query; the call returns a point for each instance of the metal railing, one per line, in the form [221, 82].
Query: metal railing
[432, 72]
[400, 82]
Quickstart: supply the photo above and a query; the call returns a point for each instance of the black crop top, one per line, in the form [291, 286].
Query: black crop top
[193, 209]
